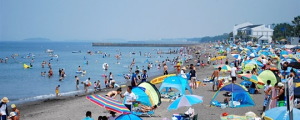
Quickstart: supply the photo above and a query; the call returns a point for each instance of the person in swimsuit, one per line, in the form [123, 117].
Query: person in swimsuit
[215, 77]
[113, 94]
[16, 111]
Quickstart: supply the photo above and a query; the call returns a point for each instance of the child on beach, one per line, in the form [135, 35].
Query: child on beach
[57, 90]
[95, 86]
[106, 81]
[16, 111]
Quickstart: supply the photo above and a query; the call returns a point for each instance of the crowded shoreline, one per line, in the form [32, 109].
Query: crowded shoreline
[74, 107]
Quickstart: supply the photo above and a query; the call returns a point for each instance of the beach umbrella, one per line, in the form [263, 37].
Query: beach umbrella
[236, 56]
[109, 103]
[281, 113]
[220, 57]
[253, 62]
[128, 117]
[213, 59]
[253, 78]
[185, 100]
[269, 75]
[225, 68]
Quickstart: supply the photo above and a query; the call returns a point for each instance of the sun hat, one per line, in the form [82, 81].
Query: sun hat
[280, 84]
[11, 114]
[13, 106]
[5, 99]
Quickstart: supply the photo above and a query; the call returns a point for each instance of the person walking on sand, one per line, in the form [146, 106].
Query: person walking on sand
[129, 97]
[193, 76]
[165, 69]
[144, 76]
[272, 92]
[267, 95]
[134, 78]
[3, 108]
[88, 116]
[16, 111]
[233, 73]
[215, 78]
[87, 84]
[57, 90]
[77, 81]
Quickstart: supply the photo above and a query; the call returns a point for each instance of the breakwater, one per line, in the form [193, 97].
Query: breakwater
[143, 44]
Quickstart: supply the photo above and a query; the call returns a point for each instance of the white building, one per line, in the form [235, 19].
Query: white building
[261, 32]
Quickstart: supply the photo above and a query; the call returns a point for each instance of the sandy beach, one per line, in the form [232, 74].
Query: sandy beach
[74, 108]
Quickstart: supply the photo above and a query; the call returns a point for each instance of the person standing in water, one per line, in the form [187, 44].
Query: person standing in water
[79, 68]
[77, 82]
[57, 90]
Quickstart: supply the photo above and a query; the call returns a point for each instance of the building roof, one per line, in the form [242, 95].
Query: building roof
[250, 26]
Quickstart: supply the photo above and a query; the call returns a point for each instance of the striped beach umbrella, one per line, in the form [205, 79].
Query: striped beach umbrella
[225, 68]
[109, 103]
[185, 100]
[252, 78]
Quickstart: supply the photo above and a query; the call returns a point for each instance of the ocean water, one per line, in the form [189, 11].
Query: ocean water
[19, 84]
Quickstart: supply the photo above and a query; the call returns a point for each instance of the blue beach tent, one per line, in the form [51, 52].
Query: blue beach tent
[141, 96]
[238, 93]
[176, 82]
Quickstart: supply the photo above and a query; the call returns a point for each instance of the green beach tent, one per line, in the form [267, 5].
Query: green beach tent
[269, 75]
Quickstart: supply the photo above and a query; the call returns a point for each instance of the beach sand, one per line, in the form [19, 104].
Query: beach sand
[74, 108]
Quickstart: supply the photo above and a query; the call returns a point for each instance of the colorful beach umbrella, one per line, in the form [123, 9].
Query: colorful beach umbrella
[128, 117]
[253, 78]
[236, 56]
[225, 68]
[220, 57]
[109, 103]
[185, 100]
[253, 62]
[281, 113]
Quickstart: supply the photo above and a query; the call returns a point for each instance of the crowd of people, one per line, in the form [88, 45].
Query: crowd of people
[4, 111]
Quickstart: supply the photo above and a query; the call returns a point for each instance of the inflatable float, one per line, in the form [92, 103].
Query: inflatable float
[103, 66]
[26, 66]
[160, 79]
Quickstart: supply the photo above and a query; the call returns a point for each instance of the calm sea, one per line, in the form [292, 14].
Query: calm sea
[19, 84]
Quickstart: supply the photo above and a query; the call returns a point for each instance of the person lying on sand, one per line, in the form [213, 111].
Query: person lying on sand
[144, 108]
[113, 94]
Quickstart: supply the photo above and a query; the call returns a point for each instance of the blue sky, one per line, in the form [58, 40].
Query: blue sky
[98, 20]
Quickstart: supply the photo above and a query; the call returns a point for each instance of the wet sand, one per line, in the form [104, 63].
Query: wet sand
[74, 108]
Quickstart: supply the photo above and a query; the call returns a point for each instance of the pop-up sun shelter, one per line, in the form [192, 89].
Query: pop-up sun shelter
[238, 93]
[176, 82]
[152, 92]
[141, 96]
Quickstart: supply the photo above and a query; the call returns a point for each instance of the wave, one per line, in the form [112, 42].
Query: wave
[49, 96]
